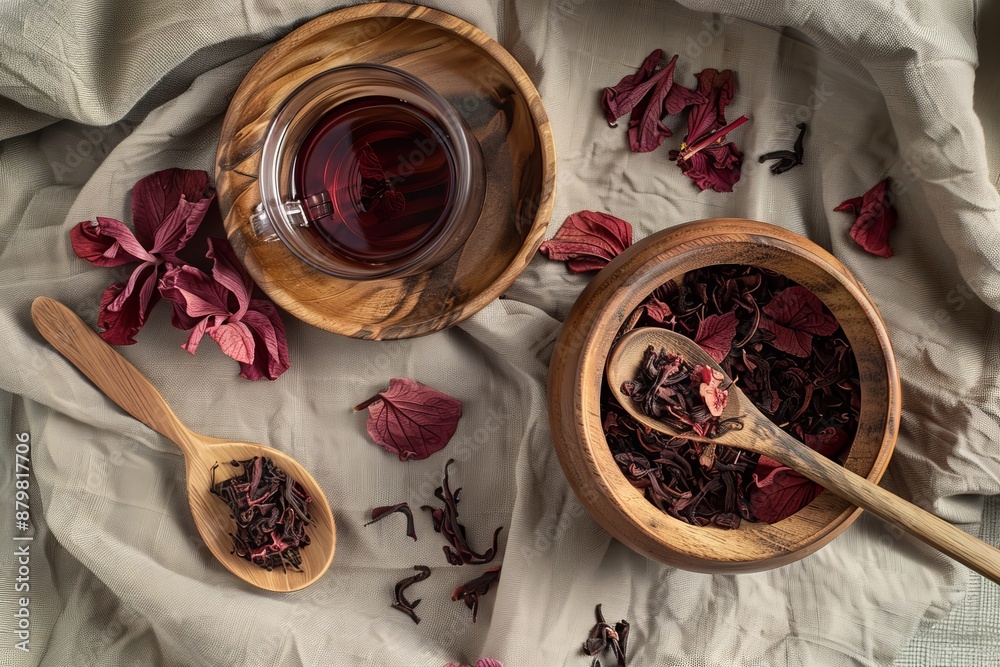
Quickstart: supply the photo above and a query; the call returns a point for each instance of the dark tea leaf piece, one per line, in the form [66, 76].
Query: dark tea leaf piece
[271, 511]
[716, 333]
[785, 160]
[380, 513]
[167, 208]
[875, 218]
[603, 636]
[445, 519]
[793, 316]
[411, 419]
[588, 240]
[400, 601]
[471, 591]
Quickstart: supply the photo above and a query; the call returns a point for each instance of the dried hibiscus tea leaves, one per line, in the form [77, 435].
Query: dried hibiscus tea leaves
[785, 159]
[471, 591]
[603, 637]
[167, 208]
[221, 305]
[588, 240]
[399, 598]
[380, 513]
[785, 351]
[690, 398]
[410, 419]
[703, 156]
[874, 219]
[457, 551]
[271, 511]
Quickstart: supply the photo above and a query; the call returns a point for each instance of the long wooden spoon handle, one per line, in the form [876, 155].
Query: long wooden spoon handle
[107, 369]
[855, 489]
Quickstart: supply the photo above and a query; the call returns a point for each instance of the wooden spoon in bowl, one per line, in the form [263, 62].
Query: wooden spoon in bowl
[762, 436]
[127, 387]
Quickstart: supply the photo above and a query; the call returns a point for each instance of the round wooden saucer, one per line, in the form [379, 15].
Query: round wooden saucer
[484, 84]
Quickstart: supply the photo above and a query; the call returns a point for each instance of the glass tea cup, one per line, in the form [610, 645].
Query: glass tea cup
[366, 172]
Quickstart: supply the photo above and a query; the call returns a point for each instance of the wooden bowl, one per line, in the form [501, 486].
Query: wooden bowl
[576, 374]
[498, 102]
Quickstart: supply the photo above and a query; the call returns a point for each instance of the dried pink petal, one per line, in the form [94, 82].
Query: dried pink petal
[411, 419]
[715, 335]
[167, 207]
[793, 315]
[126, 306]
[270, 344]
[875, 218]
[107, 242]
[588, 240]
[248, 330]
[488, 662]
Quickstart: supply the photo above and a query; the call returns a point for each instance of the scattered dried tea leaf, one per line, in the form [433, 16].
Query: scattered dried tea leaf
[399, 592]
[793, 316]
[716, 334]
[472, 590]
[248, 330]
[875, 218]
[411, 419]
[167, 208]
[588, 240]
[603, 636]
[688, 397]
[457, 551]
[380, 513]
[271, 511]
[785, 160]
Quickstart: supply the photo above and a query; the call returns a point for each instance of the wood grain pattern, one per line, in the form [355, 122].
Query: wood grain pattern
[576, 375]
[762, 436]
[484, 84]
[127, 387]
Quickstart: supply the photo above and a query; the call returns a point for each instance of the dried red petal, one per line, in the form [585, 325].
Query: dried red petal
[715, 335]
[829, 442]
[657, 311]
[588, 240]
[270, 344]
[875, 218]
[107, 242]
[248, 330]
[794, 315]
[621, 98]
[718, 89]
[126, 306]
[167, 207]
[646, 130]
[780, 494]
[716, 167]
[411, 419]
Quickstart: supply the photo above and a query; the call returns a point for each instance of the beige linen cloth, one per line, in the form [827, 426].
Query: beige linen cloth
[94, 95]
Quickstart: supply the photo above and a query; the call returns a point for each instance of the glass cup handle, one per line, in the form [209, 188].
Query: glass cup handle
[261, 225]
